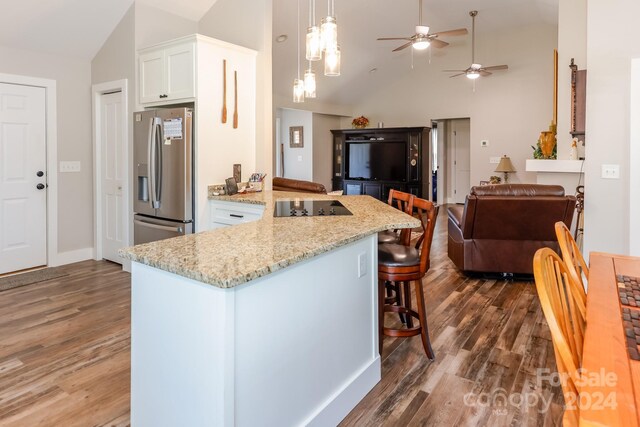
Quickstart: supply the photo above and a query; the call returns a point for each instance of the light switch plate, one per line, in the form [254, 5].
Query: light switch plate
[484, 143]
[299, 158]
[69, 166]
[494, 160]
[611, 171]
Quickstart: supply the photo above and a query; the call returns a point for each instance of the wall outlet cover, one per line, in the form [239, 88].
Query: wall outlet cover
[494, 160]
[611, 171]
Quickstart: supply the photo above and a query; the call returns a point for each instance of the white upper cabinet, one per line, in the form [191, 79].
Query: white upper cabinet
[167, 73]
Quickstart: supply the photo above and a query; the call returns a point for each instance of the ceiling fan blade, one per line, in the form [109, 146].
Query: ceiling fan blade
[404, 46]
[496, 67]
[393, 38]
[438, 43]
[484, 73]
[454, 71]
[458, 32]
[456, 75]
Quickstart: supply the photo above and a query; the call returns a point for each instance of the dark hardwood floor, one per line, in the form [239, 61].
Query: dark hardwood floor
[64, 353]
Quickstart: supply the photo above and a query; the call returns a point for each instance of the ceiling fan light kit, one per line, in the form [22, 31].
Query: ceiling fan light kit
[476, 70]
[421, 40]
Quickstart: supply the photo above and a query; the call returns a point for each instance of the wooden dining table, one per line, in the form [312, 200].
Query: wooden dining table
[610, 395]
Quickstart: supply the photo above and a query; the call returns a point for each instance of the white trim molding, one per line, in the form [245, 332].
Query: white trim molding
[97, 91]
[70, 257]
[52, 156]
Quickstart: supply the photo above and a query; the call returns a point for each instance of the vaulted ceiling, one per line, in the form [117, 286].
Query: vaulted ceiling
[76, 28]
[360, 22]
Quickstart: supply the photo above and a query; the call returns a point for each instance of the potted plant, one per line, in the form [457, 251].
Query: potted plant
[360, 122]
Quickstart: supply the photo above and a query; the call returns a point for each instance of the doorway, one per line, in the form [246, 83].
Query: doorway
[23, 177]
[111, 134]
[452, 165]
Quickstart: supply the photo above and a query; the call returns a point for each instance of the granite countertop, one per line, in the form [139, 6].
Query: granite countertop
[230, 256]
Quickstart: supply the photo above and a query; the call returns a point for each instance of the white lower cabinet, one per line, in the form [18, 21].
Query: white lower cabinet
[225, 213]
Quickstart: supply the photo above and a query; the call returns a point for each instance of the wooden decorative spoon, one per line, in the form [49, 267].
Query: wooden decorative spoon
[224, 91]
[235, 110]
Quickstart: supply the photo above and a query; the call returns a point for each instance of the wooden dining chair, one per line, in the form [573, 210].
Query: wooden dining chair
[577, 266]
[401, 265]
[563, 307]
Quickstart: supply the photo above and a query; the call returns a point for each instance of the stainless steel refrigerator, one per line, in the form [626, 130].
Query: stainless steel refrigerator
[163, 174]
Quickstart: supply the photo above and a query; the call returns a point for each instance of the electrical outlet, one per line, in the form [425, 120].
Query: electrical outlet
[484, 143]
[494, 160]
[299, 158]
[362, 264]
[73, 166]
[611, 171]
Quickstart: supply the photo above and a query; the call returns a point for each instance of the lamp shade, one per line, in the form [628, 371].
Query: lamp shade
[505, 165]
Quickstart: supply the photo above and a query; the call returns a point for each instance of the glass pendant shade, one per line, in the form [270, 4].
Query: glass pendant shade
[332, 62]
[314, 44]
[298, 90]
[309, 84]
[473, 75]
[421, 44]
[329, 33]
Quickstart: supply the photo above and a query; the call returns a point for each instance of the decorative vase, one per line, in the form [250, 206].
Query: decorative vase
[547, 143]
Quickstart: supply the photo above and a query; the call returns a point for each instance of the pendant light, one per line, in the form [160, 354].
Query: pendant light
[314, 41]
[332, 62]
[309, 83]
[329, 29]
[298, 84]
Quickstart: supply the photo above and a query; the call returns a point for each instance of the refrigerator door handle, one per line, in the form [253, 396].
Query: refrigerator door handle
[158, 165]
[159, 227]
[150, 172]
[155, 133]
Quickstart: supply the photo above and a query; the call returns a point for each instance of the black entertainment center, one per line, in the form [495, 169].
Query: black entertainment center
[373, 161]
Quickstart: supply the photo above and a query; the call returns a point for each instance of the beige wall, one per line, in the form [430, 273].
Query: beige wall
[298, 161]
[248, 23]
[509, 108]
[323, 148]
[612, 42]
[153, 26]
[572, 43]
[75, 191]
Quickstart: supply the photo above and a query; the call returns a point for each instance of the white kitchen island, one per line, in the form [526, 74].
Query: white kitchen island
[266, 323]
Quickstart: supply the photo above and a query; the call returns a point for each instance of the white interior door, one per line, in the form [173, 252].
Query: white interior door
[23, 193]
[462, 159]
[113, 176]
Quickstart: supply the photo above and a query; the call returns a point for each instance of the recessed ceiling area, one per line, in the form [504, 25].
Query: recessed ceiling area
[361, 22]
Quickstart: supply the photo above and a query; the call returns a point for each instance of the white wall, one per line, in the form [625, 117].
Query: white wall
[75, 190]
[323, 148]
[298, 162]
[248, 23]
[509, 108]
[612, 43]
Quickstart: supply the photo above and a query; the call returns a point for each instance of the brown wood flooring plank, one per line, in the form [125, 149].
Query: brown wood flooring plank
[65, 352]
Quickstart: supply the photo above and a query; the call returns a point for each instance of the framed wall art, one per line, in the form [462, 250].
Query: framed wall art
[296, 137]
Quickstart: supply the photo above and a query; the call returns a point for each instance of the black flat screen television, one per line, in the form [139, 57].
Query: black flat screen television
[377, 160]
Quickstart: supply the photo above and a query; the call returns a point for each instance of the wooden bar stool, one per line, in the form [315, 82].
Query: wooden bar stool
[402, 264]
[404, 202]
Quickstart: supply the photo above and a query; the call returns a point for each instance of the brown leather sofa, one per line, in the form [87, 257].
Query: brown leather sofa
[500, 227]
[286, 184]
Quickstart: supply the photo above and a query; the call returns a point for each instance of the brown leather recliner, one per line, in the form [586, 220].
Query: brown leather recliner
[286, 184]
[500, 227]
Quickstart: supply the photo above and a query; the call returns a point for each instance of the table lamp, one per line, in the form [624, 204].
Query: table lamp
[505, 166]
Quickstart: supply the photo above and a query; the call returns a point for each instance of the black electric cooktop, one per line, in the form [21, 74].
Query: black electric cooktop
[309, 208]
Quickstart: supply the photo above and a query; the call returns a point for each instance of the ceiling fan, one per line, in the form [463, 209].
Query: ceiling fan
[422, 39]
[476, 70]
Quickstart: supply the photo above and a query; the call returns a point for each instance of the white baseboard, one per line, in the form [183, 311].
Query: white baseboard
[69, 257]
[354, 390]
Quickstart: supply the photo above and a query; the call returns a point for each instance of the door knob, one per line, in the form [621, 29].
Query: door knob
[40, 173]
[40, 186]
